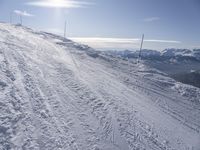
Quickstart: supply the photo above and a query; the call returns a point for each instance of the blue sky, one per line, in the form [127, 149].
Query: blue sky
[113, 24]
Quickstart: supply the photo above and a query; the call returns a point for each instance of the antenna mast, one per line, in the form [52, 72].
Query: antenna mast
[141, 47]
[11, 18]
[20, 17]
[65, 29]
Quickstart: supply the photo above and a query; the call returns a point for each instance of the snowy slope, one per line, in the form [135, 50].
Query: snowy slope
[56, 94]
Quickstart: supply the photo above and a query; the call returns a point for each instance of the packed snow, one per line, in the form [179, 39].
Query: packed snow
[57, 94]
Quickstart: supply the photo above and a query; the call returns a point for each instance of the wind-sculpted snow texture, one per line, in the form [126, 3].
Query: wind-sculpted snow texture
[56, 94]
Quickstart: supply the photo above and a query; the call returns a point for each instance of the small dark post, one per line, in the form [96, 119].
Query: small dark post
[65, 29]
[11, 17]
[20, 17]
[141, 47]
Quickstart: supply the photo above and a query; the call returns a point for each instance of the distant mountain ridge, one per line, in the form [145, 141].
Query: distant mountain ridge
[165, 54]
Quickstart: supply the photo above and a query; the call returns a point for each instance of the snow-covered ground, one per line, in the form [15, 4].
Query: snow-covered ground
[56, 94]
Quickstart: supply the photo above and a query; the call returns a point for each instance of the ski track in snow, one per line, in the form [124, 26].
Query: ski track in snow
[55, 96]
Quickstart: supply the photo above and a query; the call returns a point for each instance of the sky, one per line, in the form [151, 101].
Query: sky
[112, 24]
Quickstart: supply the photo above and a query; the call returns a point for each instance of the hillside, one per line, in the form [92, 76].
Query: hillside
[183, 65]
[57, 94]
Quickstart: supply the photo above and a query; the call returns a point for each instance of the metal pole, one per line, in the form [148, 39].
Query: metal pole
[11, 18]
[65, 29]
[141, 47]
[20, 19]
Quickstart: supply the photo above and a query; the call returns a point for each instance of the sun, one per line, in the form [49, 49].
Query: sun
[61, 3]
[56, 3]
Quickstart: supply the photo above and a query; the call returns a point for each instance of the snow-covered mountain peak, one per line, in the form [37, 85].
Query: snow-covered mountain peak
[177, 52]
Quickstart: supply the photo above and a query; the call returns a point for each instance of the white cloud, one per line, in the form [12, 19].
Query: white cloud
[107, 40]
[58, 3]
[151, 19]
[195, 46]
[121, 40]
[108, 43]
[23, 13]
[163, 41]
[120, 43]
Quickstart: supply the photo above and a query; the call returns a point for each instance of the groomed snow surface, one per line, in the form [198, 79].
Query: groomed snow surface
[55, 95]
